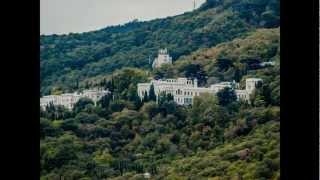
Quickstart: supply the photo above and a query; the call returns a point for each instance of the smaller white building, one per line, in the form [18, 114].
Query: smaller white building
[69, 99]
[163, 58]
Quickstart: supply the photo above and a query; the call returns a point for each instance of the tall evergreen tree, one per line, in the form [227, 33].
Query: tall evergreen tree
[152, 94]
[170, 97]
[105, 100]
[136, 101]
[162, 98]
[237, 75]
[145, 97]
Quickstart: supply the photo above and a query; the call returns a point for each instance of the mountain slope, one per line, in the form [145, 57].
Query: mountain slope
[68, 59]
[261, 45]
[122, 137]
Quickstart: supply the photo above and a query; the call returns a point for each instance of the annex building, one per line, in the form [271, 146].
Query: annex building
[163, 58]
[69, 99]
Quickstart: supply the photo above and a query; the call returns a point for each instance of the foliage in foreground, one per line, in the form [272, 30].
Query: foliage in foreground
[255, 156]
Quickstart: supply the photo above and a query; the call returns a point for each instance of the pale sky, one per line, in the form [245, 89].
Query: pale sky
[65, 16]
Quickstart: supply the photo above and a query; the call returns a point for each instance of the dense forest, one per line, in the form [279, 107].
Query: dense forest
[123, 137]
[68, 59]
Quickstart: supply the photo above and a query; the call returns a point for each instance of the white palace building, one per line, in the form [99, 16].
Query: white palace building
[184, 90]
[69, 99]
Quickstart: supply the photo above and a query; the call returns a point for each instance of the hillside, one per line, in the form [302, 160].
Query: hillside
[67, 60]
[227, 61]
[123, 137]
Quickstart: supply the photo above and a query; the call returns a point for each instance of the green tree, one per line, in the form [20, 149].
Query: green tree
[259, 101]
[145, 97]
[195, 71]
[117, 105]
[226, 96]
[152, 94]
[133, 96]
[103, 157]
[47, 129]
[60, 151]
[82, 104]
[86, 118]
[224, 64]
[104, 102]
[150, 109]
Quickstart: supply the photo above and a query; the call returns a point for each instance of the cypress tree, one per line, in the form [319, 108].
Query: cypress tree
[169, 97]
[162, 98]
[105, 100]
[136, 101]
[226, 96]
[145, 97]
[152, 94]
[237, 75]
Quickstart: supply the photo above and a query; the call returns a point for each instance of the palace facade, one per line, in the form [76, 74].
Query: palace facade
[184, 90]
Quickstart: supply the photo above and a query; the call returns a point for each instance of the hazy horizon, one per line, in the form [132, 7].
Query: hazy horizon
[76, 16]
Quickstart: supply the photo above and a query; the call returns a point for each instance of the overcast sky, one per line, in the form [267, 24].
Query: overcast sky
[64, 16]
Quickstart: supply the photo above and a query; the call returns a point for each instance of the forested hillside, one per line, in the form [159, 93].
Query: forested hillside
[67, 60]
[123, 137]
